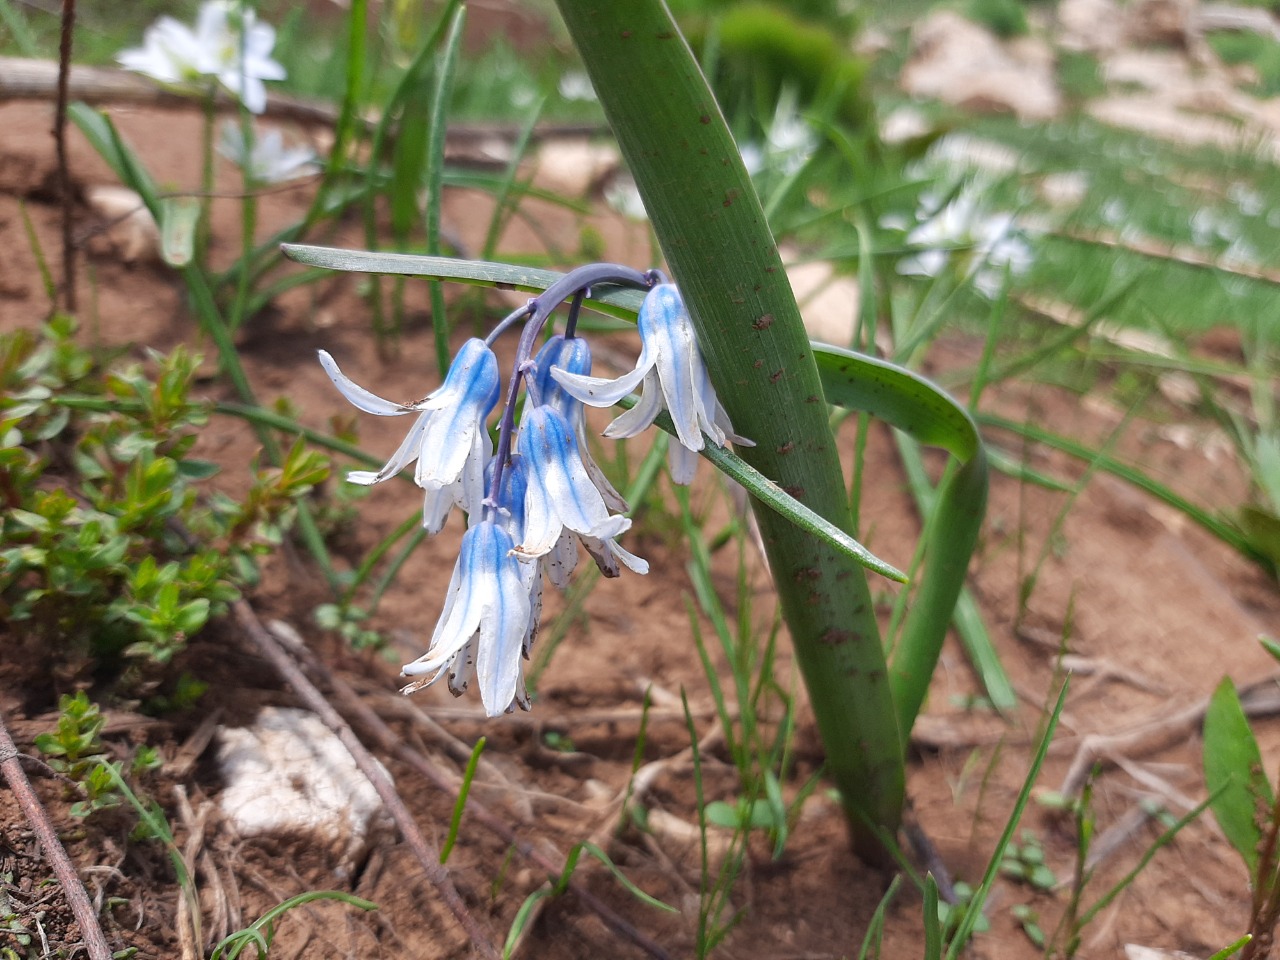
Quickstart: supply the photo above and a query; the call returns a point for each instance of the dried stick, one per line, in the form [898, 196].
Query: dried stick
[428, 857]
[24, 79]
[60, 142]
[1152, 735]
[63, 868]
[387, 739]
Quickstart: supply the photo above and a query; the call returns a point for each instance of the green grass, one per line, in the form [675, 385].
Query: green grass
[1141, 189]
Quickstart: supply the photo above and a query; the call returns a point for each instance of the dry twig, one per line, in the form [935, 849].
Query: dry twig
[77, 897]
[428, 857]
[375, 727]
[1258, 697]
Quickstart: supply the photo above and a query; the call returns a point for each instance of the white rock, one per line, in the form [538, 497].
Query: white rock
[1096, 26]
[289, 774]
[959, 62]
[574, 166]
[129, 224]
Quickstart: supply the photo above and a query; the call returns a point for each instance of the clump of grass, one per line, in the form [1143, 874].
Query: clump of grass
[1261, 52]
[1005, 18]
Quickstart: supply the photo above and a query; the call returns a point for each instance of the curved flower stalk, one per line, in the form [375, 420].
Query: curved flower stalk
[673, 378]
[228, 44]
[448, 439]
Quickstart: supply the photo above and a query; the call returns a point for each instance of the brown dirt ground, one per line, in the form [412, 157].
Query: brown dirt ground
[1160, 612]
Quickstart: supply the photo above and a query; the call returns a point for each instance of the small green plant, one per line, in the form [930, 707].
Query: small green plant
[75, 750]
[262, 932]
[1239, 47]
[348, 622]
[1025, 862]
[1068, 934]
[122, 559]
[1004, 18]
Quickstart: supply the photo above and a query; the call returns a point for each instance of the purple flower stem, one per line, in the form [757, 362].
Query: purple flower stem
[571, 324]
[576, 284]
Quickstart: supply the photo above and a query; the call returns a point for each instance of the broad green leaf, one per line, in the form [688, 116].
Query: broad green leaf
[897, 396]
[1234, 775]
[930, 416]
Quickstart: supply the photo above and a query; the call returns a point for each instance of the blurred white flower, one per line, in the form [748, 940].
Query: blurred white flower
[269, 160]
[576, 85]
[789, 141]
[990, 243]
[228, 43]
[623, 195]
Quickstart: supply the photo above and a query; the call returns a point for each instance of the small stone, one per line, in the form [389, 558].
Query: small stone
[289, 774]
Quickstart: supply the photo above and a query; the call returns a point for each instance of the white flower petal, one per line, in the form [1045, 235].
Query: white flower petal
[675, 359]
[357, 395]
[559, 563]
[409, 448]
[597, 391]
[640, 417]
[682, 463]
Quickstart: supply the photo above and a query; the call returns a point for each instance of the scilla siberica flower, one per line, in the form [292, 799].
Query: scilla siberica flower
[572, 356]
[532, 503]
[484, 624]
[561, 496]
[228, 43]
[448, 439]
[674, 379]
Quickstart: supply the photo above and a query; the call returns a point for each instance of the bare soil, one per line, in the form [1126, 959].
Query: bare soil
[1155, 611]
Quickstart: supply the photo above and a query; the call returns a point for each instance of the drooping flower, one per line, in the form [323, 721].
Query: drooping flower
[228, 43]
[484, 625]
[673, 378]
[268, 161]
[572, 356]
[562, 498]
[448, 439]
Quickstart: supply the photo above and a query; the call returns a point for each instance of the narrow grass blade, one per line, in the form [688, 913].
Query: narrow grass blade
[875, 929]
[1232, 949]
[1163, 840]
[1224, 530]
[932, 920]
[440, 98]
[974, 909]
[609, 300]
[461, 804]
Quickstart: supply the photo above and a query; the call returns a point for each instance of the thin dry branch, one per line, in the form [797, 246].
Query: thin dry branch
[1259, 697]
[25, 79]
[375, 727]
[428, 857]
[77, 897]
